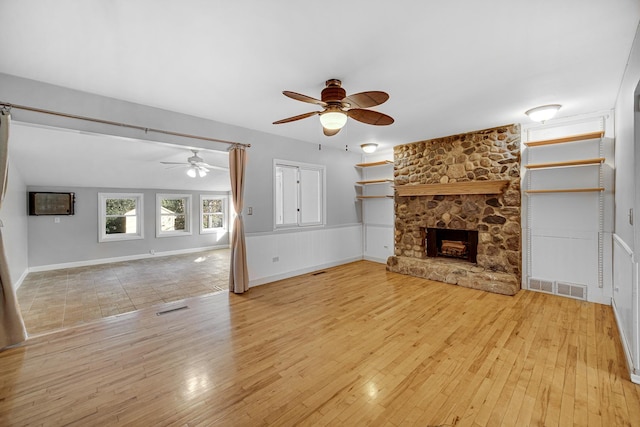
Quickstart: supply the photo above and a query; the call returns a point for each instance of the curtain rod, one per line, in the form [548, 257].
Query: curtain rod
[9, 106]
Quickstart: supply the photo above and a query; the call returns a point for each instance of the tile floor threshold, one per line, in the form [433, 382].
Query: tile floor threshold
[59, 299]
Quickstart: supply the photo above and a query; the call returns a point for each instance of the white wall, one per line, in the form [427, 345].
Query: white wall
[74, 239]
[14, 230]
[626, 300]
[342, 208]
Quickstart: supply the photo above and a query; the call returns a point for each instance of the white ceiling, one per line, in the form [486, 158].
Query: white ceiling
[449, 66]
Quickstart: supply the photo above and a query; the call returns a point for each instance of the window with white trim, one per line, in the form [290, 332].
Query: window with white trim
[173, 215]
[120, 216]
[213, 213]
[299, 194]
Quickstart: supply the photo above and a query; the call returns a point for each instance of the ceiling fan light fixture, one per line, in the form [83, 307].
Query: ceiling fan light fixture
[202, 173]
[543, 113]
[333, 120]
[191, 172]
[369, 147]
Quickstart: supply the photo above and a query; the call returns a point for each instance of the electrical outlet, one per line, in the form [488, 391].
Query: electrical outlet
[276, 258]
[152, 251]
[56, 220]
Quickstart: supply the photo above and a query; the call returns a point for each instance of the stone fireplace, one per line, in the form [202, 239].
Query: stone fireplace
[463, 190]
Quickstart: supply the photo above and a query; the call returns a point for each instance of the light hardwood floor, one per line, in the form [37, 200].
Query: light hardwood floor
[353, 346]
[56, 299]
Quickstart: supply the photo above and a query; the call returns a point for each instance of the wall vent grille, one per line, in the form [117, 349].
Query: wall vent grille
[572, 290]
[541, 285]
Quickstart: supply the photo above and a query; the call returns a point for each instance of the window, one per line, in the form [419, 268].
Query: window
[213, 214]
[173, 215]
[298, 194]
[120, 216]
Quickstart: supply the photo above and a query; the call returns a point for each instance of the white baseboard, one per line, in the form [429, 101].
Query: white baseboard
[288, 274]
[375, 259]
[625, 345]
[122, 258]
[21, 279]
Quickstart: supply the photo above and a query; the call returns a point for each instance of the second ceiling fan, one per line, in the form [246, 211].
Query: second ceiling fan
[338, 107]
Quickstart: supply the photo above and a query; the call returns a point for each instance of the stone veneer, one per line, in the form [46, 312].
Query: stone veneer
[492, 154]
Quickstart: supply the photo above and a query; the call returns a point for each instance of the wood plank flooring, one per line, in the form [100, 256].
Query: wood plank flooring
[352, 346]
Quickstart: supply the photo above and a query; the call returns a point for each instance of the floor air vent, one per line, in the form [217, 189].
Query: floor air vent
[541, 285]
[317, 273]
[171, 310]
[572, 290]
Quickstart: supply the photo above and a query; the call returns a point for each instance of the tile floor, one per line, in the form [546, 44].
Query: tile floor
[58, 299]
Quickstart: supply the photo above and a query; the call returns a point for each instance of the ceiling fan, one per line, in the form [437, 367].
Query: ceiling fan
[196, 165]
[338, 106]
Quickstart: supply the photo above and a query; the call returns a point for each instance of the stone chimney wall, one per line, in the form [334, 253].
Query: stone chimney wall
[491, 154]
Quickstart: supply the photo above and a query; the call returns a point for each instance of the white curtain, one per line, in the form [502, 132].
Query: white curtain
[12, 330]
[238, 274]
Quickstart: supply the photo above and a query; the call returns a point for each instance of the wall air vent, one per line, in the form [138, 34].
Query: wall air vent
[572, 290]
[541, 285]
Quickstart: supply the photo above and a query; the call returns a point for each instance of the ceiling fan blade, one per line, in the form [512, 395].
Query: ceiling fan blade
[370, 117]
[330, 132]
[174, 163]
[299, 117]
[303, 98]
[208, 166]
[366, 99]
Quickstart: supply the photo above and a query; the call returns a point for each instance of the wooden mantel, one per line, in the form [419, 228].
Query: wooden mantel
[453, 188]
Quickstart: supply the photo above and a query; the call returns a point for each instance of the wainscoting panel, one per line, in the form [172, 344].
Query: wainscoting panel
[625, 303]
[378, 244]
[278, 255]
[571, 256]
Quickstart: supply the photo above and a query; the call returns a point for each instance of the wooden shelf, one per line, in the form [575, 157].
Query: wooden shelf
[583, 162]
[374, 181]
[572, 138]
[368, 165]
[567, 190]
[375, 197]
[455, 188]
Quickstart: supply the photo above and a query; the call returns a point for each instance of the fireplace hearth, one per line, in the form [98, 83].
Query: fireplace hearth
[448, 243]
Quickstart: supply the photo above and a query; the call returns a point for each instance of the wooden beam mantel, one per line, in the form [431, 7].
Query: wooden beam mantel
[452, 188]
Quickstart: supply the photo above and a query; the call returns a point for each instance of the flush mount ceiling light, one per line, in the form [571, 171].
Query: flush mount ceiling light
[369, 147]
[543, 113]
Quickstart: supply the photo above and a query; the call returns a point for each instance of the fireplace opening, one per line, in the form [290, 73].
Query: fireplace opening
[448, 243]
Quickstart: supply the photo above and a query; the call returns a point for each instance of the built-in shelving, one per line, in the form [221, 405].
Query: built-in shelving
[584, 162]
[556, 165]
[372, 164]
[563, 140]
[566, 190]
[386, 196]
[374, 181]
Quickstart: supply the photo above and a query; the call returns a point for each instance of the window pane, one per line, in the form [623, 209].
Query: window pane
[116, 225]
[174, 205]
[120, 216]
[211, 205]
[173, 223]
[286, 195]
[310, 196]
[120, 206]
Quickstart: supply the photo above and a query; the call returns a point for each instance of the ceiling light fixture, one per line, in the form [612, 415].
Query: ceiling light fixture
[543, 113]
[369, 147]
[191, 172]
[333, 120]
[202, 173]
